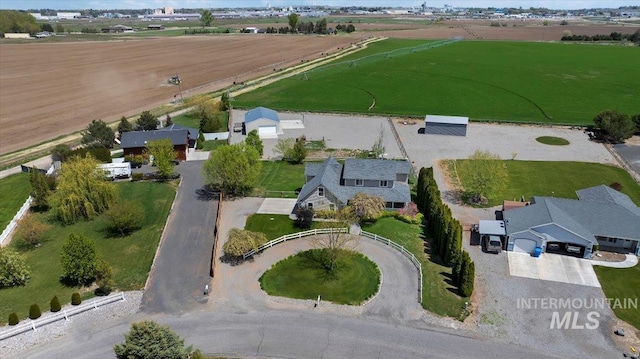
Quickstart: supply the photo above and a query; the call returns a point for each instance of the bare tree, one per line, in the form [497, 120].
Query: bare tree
[335, 243]
[378, 147]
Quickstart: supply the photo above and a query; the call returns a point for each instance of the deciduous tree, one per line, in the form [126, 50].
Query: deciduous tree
[304, 217]
[298, 153]
[485, 174]
[233, 169]
[17, 21]
[284, 146]
[98, 134]
[241, 241]
[83, 191]
[79, 259]
[13, 268]
[618, 126]
[150, 340]
[365, 207]
[253, 140]
[636, 120]
[125, 217]
[336, 244]
[378, 147]
[164, 156]
[293, 21]
[30, 231]
[146, 122]
[206, 18]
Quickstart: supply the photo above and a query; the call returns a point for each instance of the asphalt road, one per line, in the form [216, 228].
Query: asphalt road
[631, 154]
[181, 270]
[288, 334]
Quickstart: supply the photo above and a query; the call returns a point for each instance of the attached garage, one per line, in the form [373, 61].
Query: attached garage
[268, 131]
[263, 120]
[524, 245]
[446, 125]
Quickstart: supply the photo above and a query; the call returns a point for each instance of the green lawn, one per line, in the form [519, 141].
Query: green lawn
[557, 179]
[193, 121]
[303, 276]
[437, 294]
[14, 190]
[622, 284]
[280, 176]
[273, 225]
[553, 141]
[213, 144]
[130, 256]
[555, 82]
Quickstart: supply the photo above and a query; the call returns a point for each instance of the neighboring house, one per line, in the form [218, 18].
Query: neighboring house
[264, 120]
[117, 29]
[330, 185]
[193, 133]
[602, 216]
[134, 142]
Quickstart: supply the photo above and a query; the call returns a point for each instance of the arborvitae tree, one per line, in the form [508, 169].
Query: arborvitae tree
[54, 305]
[40, 191]
[13, 319]
[76, 299]
[468, 276]
[34, 311]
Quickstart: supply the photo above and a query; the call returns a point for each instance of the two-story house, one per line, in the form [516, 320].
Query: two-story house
[330, 185]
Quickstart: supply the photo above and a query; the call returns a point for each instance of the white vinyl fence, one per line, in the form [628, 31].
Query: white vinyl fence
[48, 318]
[402, 250]
[14, 222]
[311, 232]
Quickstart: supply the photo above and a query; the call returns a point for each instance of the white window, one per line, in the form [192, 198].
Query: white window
[359, 182]
[383, 183]
[321, 191]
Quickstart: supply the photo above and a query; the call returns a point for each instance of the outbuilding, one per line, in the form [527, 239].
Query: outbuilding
[446, 125]
[133, 143]
[263, 120]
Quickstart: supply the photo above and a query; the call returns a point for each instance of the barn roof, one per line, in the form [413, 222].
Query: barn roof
[261, 112]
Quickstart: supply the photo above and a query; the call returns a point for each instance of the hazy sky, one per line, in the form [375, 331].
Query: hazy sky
[143, 4]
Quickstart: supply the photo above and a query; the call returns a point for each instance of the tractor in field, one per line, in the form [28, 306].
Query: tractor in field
[174, 80]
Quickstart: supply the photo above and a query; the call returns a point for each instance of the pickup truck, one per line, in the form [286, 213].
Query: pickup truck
[237, 127]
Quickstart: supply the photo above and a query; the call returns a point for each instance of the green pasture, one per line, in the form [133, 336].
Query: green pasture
[557, 83]
[130, 256]
[305, 276]
[14, 190]
[554, 178]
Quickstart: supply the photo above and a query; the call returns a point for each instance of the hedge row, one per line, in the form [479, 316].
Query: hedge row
[54, 306]
[446, 232]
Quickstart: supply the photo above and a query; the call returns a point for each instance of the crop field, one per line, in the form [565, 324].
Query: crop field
[506, 81]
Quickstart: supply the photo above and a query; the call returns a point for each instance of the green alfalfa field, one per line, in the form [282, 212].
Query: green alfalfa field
[559, 83]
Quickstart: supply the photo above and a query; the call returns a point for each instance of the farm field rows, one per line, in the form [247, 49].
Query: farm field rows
[52, 89]
[506, 81]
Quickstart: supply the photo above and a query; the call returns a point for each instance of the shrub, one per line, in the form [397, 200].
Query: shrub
[34, 311]
[617, 186]
[13, 268]
[135, 177]
[30, 231]
[241, 241]
[417, 219]
[325, 213]
[54, 305]
[13, 319]
[76, 299]
[304, 217]
[99, 153]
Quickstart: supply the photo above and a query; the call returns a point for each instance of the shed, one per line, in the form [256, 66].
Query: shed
[263, 120]
[446, 125]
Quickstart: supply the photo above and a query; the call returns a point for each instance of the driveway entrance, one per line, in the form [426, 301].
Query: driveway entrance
[553, 267]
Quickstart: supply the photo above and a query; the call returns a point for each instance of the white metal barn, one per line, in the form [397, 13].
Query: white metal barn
[264, 120]
[446, 125]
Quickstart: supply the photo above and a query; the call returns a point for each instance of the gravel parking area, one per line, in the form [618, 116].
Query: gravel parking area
[339, 132]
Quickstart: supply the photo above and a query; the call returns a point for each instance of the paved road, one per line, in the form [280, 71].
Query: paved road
[181, 269]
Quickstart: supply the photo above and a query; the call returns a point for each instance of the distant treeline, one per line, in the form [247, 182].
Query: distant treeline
[614, 36]
[319, 27]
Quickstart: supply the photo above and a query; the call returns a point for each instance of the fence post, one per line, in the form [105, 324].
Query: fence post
[122, 295]
[65, 315]
[33, 325]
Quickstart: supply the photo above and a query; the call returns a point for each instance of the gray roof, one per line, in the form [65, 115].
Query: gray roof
[606, 194]
[133, 139]
[261, 112]
[329, 173]
[374, 169]
[583, 217]
[193, 133]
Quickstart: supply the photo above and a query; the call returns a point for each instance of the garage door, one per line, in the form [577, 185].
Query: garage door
[524, 245]
[267, 132]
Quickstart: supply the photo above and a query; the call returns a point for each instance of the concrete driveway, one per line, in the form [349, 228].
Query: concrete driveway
[553, 267]
[277, 206]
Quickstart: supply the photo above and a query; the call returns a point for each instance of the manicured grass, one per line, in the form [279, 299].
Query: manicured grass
[553, 141]
[554, 82]
[280, 176]
[193, 121]
[437, 294]
[130, 256]
[557, 179]
[14, 191]
[273, 225]
[622, 284]
[213, 144]
[303, 276]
